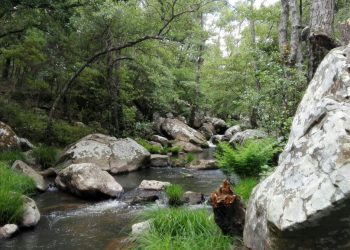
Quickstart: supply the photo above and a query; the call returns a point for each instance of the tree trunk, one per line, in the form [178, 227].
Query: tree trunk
[199, 63]
[295, 48]
[320, 37]
[283, 28]
[6, 70]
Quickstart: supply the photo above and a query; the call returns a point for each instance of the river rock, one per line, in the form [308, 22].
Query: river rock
[50, 172]
[158, 160]
[232, 130]
[249, 134]
[193, 198]
[207, 130]
[153, 185]
[24, 169]
[8, 230]
[219, 124]
[109, 153]
[218, 138]
[88, 180]
[182, 132]
[160, 139]
[305, 204]
[31, 214]
[9, 140]
[188, 147]
[203, 165]
[137, 196]
[157, 144]
[141, 227]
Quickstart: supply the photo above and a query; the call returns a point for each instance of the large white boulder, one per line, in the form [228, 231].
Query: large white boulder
[31, 214]
[180, 131]
[88, 180]
[24, 169]
[8, 230]
[153, 185]
[109, 153]
[249, 134]
[305, 203]
[9, 140]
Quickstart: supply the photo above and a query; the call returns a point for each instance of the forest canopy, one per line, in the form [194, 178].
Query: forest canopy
[109, 66]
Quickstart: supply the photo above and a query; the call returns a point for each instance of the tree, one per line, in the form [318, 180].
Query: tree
[320, 36]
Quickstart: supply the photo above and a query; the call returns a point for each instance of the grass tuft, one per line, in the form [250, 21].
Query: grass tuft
[45, 156]
[12, 187]
[174, 193]
[182, 229]
[245, 188]
[11, 156]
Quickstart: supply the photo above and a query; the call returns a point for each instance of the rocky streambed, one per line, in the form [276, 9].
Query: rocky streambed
[69, 222]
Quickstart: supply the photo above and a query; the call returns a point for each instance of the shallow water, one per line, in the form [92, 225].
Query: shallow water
[69, 223]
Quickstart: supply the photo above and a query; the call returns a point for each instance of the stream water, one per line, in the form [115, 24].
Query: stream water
[69, 223]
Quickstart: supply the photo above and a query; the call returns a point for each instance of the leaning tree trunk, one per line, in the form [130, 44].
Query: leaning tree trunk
[283, 28]
[320, 37]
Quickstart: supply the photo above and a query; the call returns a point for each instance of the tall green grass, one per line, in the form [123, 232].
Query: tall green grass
[12, 187]
[45, 156]
[182, 229]
[11, 156]
[245, 188]
[174, 193]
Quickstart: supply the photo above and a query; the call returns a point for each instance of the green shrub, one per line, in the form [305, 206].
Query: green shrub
[190, 158]
[246, 160]
[175, 150]
[245, 188]
[11, 156]
[174, 193]
[45, 156]
[12, 187]
[182, 229]
[65, 133]
[153, 149]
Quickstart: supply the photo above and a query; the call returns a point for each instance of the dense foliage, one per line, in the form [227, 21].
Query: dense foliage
[182, 229]
[246, 160]
[12, 187]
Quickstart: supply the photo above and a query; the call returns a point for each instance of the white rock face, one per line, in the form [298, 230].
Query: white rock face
[241, 137]
[182, 132]
[109, 153]
[232, 130]
[158, 160]
[188, 147]
[31, 215]
[305, 203]
[9, 140]
[88, 180]
[8, 230]
[203, 165]
[153, 185]
[23, 168]
[141, 227]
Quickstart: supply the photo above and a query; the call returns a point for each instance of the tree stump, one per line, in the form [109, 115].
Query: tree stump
[229, 210]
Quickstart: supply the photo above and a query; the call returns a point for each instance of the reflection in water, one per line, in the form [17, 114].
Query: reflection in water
[69, 223]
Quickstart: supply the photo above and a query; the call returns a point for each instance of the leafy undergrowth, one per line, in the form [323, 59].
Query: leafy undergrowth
[12, 187]
[182, 229]
[245, 188]
[246, 160]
